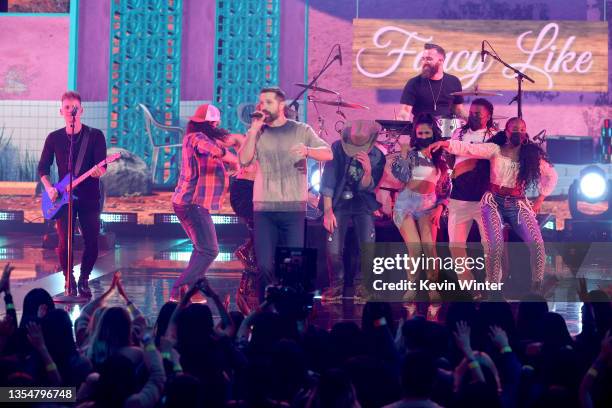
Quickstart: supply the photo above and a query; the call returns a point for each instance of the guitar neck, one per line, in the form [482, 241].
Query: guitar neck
[84, 176]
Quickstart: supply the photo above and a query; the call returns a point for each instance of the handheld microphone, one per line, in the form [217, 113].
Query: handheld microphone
[482, 52]
[340, 54]
[256, 115]
[74, 111]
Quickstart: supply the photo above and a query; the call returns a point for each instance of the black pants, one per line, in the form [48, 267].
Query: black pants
[88, 214]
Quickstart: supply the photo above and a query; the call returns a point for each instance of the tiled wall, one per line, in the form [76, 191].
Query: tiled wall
[29, 122]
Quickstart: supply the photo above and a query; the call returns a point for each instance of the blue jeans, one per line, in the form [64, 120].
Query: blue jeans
[198, 224]
[272, 229]
[497, 209]
[363, 223]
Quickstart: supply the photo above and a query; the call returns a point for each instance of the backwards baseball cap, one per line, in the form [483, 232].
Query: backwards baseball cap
[206, 113]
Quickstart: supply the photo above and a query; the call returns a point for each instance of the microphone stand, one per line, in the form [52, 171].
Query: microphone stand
[519, 78]
[295, 104]
[67, 298]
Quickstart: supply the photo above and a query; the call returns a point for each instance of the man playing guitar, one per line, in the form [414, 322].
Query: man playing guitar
[86, 194]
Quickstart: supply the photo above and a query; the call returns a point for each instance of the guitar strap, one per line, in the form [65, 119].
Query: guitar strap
[82, 150]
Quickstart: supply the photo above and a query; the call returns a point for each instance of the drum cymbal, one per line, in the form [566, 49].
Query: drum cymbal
[316, 88]
[340, 104]
[476, 92]
[499, 117]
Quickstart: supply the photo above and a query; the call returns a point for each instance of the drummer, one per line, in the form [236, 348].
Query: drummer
[430, 91]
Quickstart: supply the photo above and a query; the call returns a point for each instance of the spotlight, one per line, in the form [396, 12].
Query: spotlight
[589, 193]
[593, 183]
[315, 180]
[119, 218]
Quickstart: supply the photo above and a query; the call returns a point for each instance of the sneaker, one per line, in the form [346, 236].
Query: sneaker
[83, 287]
[332, 294]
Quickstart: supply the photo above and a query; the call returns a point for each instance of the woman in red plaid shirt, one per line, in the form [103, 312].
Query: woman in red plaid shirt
[202, 186]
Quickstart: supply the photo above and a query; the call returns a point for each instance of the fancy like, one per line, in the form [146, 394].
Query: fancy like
[557, 60]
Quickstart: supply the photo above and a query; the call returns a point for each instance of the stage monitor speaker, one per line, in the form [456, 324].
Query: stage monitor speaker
[570, 149]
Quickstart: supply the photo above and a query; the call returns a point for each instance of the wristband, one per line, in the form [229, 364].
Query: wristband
[307, 151]
[51, 367]
[474, 364]
[506, 349]
[10, 306]
[166, 355]
[177, 368]
[380, 322]
[150, 347]
[593, 372]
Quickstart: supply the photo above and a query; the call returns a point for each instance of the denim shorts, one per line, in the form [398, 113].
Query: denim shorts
[411, 203]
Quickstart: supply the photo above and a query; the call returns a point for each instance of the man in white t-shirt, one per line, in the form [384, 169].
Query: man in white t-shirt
[470, 180]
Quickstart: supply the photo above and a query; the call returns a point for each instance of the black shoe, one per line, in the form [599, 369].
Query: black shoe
[83, 287]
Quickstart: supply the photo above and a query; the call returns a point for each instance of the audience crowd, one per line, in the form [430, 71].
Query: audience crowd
[489, 354]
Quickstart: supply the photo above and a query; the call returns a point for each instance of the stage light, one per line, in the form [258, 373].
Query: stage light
[185, 256]
[593, 184]
[160, 219]
[589, 195]
[119, 218]
[9, 216]
[315, 180]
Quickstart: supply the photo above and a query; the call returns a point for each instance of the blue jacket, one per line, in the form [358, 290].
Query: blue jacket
[336, 171]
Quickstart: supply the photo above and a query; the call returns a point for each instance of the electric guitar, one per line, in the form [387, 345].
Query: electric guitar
[50, 209]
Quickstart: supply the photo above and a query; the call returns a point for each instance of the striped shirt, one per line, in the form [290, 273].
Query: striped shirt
[203, 180]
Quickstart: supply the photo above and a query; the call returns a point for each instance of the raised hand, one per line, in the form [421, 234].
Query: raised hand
[6, 278]
[120, 288]
[462, 338]
[498, 337]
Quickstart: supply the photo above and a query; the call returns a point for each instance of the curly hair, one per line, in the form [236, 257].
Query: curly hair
[530, 156]
[427, 119]
[529, 165]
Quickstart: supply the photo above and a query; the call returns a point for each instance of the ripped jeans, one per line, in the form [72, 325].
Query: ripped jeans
[363, 223]
[497, 209]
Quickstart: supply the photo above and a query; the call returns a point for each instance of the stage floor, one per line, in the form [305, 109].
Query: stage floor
[150, 266]
[160, 202]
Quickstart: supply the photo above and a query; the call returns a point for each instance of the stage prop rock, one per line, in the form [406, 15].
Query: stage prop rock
[128, 176]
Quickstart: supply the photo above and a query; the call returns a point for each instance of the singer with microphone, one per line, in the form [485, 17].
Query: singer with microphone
[281, 147]
[430, 91]
[89, 148]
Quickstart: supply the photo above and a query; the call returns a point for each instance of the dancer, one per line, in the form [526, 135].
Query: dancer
[202, 186]
[470, 180]
[516, 167]
[420, 204]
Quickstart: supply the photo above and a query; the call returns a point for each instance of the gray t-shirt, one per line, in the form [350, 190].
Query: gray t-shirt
[280, 183]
